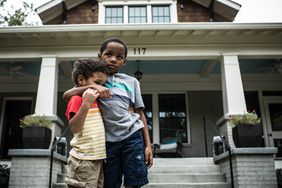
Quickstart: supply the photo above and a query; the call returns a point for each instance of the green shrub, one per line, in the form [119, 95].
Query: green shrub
[35, 120]
[4, 175]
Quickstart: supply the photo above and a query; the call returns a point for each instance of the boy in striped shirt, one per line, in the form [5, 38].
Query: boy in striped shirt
[85, 163]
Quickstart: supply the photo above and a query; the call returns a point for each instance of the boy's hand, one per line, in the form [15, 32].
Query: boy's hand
[148, 156]
[89, 96]
[103, 91]
[131, 110]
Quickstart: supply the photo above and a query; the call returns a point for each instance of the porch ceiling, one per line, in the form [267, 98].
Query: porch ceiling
[19, 71]
[149, 34]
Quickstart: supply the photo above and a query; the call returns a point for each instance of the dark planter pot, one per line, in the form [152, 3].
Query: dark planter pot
[36, 137]
[247, 136]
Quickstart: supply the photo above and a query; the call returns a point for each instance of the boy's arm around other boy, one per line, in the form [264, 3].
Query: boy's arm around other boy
[103, 91]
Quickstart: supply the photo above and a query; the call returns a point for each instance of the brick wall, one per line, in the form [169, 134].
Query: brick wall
[192, 12]
[33, 172]
[252, 167]
[83, 14]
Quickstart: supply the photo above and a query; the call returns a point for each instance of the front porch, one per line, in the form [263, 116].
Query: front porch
[190, 71]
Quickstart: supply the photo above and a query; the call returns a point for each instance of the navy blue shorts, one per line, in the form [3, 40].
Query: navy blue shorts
[126, 158]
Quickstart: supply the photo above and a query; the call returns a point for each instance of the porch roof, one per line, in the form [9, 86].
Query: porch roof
[151, 34]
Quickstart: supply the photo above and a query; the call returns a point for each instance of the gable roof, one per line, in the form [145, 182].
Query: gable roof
[52, 11]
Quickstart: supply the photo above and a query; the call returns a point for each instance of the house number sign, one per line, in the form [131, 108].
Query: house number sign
[139, 51]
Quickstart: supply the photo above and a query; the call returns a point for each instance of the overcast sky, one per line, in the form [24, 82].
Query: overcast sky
[251, 10]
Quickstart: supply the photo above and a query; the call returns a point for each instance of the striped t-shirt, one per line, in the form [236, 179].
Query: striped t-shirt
[89, 143]
[119, 122]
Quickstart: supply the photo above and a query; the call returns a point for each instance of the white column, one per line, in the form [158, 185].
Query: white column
[46, 100]
[232, 86]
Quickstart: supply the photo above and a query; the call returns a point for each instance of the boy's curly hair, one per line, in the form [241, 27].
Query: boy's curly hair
[86, 67]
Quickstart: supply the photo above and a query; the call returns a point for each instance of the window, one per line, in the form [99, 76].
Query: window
[172, 118]
[114, 15]
[137, 14]
[160, 14]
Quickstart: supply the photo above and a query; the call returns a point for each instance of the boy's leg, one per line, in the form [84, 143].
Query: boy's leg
[83, 173]
[112, 166]
[134, 166]
[101, 177]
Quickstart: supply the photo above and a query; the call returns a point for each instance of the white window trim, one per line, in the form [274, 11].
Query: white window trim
[125, 4]
[155, 112]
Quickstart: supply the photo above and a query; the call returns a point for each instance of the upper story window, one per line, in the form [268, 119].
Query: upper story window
[160, 14]
[114, 14]
[137, 14]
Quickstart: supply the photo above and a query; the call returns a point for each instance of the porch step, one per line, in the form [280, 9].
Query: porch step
[59, 185]
[178, 173]
[186, 185]
[61, 179]
[186, 172]
[186, 178]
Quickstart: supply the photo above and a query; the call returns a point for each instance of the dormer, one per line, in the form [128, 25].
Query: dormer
[136, 11]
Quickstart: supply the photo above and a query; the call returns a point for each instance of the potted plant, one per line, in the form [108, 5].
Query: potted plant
[36, 131]
[247, 130]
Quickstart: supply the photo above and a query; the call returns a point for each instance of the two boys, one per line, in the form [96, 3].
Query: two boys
[128, 145]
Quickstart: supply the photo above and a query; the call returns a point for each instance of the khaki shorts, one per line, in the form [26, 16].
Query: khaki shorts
[85, 173]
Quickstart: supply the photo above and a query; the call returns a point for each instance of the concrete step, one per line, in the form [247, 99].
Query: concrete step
[178, 173]
[184, 169]
[187, 178]
[59, 185]
[65, 169]
[186, 185]
[183, 161]
[61, 178]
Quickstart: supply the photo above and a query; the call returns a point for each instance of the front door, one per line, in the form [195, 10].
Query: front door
[11, 137]
[273, 120]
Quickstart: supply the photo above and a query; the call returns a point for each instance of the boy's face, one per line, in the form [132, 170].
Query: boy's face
[114, 56]
[98, 78]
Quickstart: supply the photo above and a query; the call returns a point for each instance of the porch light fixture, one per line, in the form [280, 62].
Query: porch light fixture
[138, 74]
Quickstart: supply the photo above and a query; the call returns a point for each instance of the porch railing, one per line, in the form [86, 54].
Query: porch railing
[56, 141]
[206, 121]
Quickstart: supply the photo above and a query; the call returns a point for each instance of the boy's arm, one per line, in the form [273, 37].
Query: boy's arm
[76, 122]
[148, 148]
[103, 91]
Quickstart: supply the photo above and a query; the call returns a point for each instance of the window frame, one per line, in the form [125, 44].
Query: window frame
[161, 16]
[148, 4]
[156, 123]
[146, 14]
[122, 9]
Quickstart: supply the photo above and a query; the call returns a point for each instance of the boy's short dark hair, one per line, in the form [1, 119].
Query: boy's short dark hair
[86, 67]
[117, 40]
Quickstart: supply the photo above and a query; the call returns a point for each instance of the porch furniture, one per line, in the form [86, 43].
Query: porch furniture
[170, 147]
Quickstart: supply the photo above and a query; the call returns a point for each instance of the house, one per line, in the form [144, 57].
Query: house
[196, 65]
